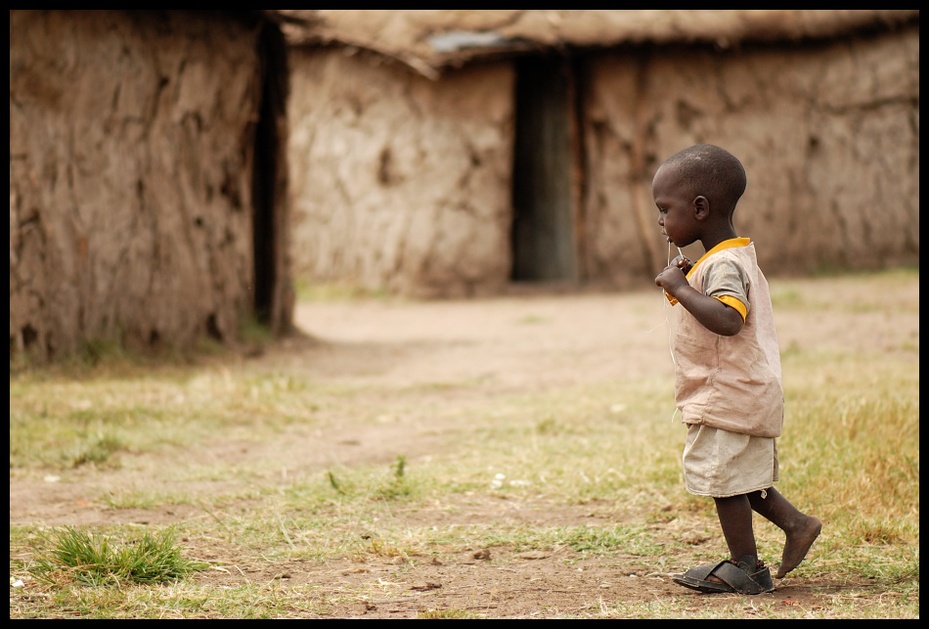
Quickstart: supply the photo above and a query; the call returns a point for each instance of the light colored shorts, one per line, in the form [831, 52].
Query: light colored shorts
[720, 464]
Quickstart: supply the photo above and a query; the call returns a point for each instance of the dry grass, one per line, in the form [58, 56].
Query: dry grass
[596, 474]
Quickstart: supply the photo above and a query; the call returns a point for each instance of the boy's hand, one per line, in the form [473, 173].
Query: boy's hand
[672, 278]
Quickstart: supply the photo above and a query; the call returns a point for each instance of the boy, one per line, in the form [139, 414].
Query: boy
[728, 371]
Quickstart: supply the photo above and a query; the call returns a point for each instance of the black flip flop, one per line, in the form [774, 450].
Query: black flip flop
[738, 577]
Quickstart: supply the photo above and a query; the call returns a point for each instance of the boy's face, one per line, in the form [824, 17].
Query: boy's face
[676, 210]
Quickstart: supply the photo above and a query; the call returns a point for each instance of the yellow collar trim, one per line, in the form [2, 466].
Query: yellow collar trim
[726, 244]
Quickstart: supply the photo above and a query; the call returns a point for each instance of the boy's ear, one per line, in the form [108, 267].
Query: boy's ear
[701, 207]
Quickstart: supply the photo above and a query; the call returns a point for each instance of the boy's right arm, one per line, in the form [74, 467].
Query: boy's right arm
[712, 314]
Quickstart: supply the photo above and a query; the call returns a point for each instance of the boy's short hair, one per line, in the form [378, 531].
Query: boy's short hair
[713, 172]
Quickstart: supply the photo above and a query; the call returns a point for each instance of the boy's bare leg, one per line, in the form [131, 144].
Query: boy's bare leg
[735, 518]
[801, 529]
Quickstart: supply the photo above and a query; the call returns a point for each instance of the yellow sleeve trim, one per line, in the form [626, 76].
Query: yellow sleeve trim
[729, 300]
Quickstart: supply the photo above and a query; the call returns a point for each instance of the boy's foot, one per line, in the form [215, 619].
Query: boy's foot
[799, 541]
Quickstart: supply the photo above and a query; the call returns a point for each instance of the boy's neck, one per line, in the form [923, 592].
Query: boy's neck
[718, 234]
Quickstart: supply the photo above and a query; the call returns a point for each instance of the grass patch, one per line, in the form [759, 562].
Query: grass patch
[72, 554]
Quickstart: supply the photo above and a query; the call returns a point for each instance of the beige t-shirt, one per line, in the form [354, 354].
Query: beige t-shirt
[730, 382]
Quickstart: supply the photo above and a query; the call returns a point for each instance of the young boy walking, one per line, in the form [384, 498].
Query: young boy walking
[728, 370]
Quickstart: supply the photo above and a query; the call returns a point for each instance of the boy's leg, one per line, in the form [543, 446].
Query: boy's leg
[735, 518]
[749, 576]
[801, 529]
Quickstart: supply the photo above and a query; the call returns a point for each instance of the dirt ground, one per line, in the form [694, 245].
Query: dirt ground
[525, 341]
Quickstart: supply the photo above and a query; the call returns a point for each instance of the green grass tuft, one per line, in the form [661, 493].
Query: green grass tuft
[97, 560]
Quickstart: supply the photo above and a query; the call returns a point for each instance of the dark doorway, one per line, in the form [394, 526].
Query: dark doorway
[543, 222]
[266, 178]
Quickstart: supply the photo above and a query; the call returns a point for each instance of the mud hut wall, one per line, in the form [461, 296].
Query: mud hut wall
[130, 176]
[399, 183]
[828, 134]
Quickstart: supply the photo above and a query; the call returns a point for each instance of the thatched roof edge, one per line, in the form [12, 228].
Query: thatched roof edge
[430, 41]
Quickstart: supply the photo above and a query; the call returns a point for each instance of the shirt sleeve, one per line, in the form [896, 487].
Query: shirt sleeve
[727, 281]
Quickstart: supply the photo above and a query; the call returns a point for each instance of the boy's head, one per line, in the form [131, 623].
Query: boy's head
[696, 191]
[710, 171]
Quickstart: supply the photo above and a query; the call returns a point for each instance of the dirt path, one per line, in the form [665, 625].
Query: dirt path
[525, 342]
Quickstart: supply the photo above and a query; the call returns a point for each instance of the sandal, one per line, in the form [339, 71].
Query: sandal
[743, 577]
